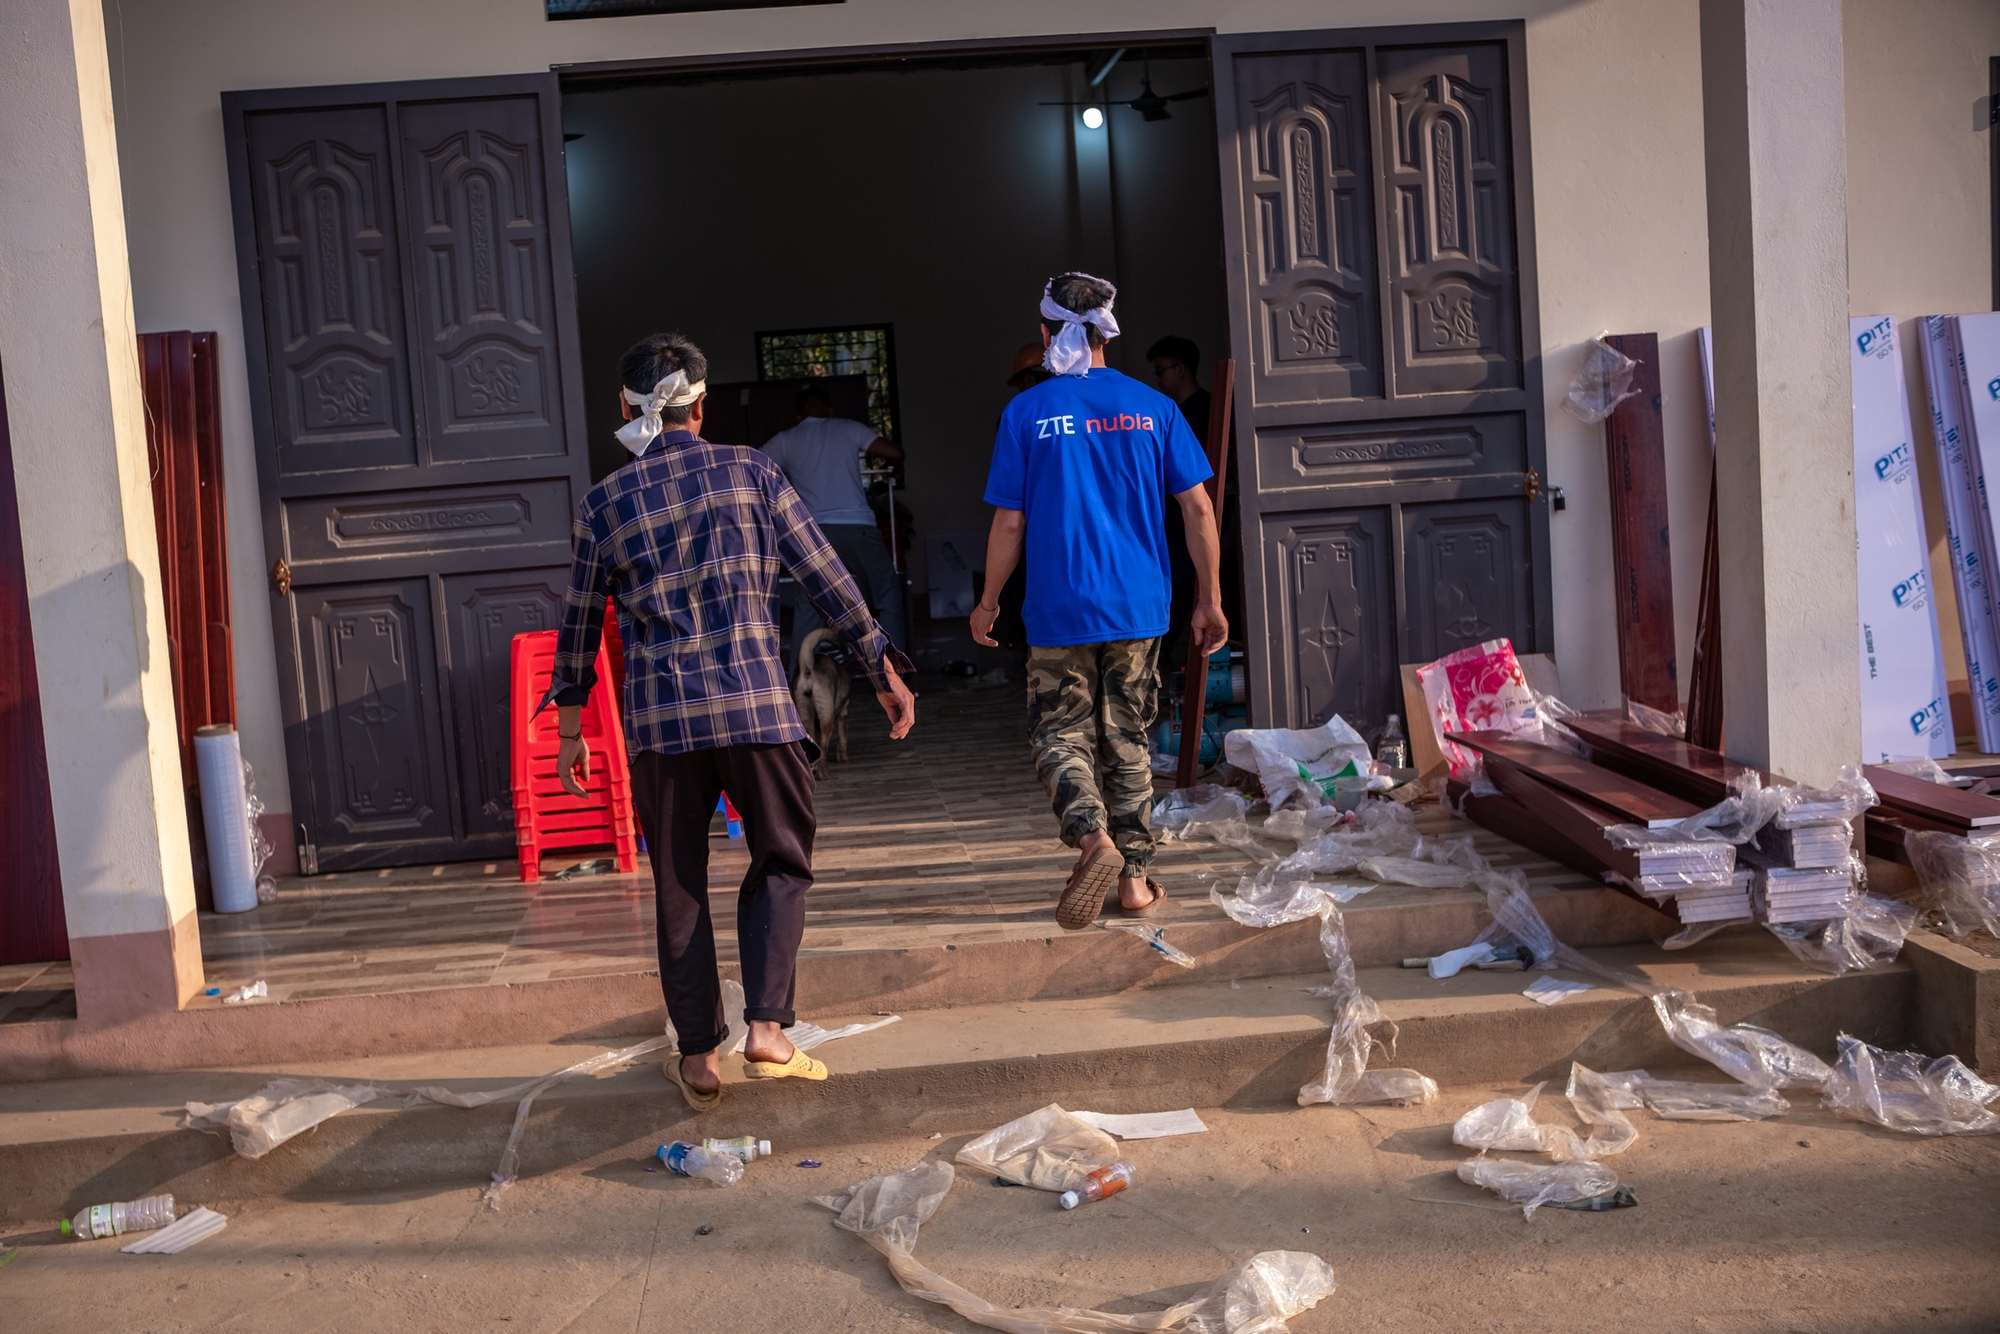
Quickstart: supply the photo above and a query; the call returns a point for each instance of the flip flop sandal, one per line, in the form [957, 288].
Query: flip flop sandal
[1083, 897]
[1159, 897]
[801, 1066]
[696, 1098]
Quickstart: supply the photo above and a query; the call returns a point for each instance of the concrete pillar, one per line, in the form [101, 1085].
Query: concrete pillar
[70, 354]
[1773, 114]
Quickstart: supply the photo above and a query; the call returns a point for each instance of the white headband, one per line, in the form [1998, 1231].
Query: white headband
[672, 392]
[1069, 351]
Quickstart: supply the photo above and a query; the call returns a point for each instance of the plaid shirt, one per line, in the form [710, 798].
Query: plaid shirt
[689, 539]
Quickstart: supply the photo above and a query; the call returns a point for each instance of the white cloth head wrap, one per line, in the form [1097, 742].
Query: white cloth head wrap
[672, 392]
[1069, 351]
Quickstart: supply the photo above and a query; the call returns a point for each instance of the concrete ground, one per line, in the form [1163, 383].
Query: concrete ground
[1802, 1223]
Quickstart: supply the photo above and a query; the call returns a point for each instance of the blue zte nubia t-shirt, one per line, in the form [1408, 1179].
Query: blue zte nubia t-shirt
[1091, 459]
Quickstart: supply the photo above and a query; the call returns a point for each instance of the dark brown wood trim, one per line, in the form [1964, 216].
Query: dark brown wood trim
[1626, 797]
[1948, 807]
[1679, 768]
[1635, 448]
[871, 55]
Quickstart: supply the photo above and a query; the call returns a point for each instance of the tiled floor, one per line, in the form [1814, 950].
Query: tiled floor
[943, 838]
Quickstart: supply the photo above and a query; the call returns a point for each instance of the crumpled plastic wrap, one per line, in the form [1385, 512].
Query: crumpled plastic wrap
[1751, 1055]
[278, 1111]
[1346, 1078]
[1301, 824]
[1532, 1185]
[1299, 762]
[1508, 1124]
[1735, 819]
[1411, 871]
[1050, 1149]
[1602, 382]
[1687, 1100]
[1924, 767]
[1960, 878]
[1213, 813]
[1654, 720]
[1256, 1297]
[1845, 799]
[1901, 1090]
[1871, 933]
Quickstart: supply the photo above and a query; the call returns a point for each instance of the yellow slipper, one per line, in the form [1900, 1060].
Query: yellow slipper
[696, 1098]
[801, 1066]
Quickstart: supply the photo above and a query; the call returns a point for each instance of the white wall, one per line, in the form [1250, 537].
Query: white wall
[1919, 238]
[1615, 99]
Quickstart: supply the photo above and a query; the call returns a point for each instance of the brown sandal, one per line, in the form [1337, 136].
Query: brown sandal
[1083, 897]
[698, 1099]
[1159, 897]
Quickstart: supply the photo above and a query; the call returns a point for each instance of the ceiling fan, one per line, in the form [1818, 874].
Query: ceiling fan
[1149, 104]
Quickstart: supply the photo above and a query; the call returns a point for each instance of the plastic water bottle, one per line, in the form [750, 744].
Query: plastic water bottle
[1104, 1181]
[746, 1147]
[1394, 748]
[692, 1160]
[112, 1220]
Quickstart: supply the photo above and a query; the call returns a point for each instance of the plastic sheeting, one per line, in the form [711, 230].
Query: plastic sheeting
[1299, 762]
[1508, 1124]
[1751, 1055]
[1872, 932]
[1687, 1100]
[1532, 1185]
[279, 1111]
[1960, 879]
[1602, 382]
[1050, 1149]
[1256, 1297]
[1901, 1090]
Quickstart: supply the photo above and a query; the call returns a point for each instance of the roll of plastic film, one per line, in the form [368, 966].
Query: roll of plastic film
[225, 813]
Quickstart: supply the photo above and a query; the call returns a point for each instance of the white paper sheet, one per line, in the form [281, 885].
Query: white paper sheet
[1549, 990]
[1905, 712]
[1145, 1125]
[1967, 525]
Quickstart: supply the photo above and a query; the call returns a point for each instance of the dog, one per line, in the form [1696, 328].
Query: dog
[821, 690]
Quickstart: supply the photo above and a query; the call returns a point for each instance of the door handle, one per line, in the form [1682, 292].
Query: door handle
[281, 576]
[1531, 485]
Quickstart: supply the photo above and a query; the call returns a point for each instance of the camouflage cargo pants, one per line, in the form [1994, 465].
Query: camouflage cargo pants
[1089, 706]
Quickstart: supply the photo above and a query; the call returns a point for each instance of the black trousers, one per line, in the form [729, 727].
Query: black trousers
[674, 797]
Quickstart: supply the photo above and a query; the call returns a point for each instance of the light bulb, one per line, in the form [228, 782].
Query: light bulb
[1093, 118]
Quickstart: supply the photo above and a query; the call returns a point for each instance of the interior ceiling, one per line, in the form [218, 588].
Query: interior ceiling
[739, 68]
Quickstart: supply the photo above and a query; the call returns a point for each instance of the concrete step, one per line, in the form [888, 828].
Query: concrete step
[1213, 1041]
[1029, 960]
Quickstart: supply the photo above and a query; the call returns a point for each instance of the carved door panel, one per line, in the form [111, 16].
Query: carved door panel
[409, 320]
[1381, 273]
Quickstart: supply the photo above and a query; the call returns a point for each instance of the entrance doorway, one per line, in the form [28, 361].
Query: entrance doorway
[1347, 214]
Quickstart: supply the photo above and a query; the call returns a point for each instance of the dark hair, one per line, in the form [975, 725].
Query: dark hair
[810, 395]
[1176, 348]
[655, 357]
[1079, 292]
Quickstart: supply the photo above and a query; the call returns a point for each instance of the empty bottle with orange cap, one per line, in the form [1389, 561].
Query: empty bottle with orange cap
[1104, 1181]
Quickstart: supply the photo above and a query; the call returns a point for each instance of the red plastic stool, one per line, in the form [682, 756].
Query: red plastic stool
[545, 816]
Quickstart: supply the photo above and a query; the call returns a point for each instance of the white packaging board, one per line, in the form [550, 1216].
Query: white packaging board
[1905, 712]
[1968, 526]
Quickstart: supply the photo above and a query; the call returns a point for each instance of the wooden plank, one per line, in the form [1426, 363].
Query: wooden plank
[1704, 706]
[32, 926]
[1949, 807]
[1636, 460]
[1221, 403]
[1578, 822]
[1692, 773]
[1513, 822]
[1626, 797]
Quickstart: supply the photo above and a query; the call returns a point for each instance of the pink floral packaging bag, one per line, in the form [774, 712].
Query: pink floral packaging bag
[1477, 689]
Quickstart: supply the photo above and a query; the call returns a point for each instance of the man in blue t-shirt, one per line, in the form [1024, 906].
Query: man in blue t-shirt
[1081, 468]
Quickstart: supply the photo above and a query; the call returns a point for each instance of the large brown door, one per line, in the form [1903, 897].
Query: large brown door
[410, 327]
[1382, 300]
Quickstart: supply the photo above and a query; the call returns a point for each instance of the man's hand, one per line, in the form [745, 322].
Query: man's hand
[1209, 627]
[983, 618]
[898, 703]
[573, 757]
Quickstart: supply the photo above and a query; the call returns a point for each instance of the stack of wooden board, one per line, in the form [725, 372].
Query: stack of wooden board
[1910, 804]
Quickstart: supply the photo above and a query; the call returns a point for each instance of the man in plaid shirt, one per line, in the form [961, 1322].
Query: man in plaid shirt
[689, 538]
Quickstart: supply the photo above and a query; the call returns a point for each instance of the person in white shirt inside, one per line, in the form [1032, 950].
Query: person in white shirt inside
[822, 455]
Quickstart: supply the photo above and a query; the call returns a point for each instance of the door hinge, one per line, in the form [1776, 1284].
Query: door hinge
[281, 576]
[1531, 485]
[308, 854]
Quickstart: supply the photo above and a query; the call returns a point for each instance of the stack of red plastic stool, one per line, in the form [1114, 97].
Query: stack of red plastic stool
[546, 817]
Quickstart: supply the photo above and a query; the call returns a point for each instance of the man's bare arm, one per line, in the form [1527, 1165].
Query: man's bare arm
[1004, 542]
[1208, 625]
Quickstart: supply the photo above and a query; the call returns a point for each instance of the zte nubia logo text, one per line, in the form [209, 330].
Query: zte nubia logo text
[1882, 331]
[1047, 428]
[1926, 718]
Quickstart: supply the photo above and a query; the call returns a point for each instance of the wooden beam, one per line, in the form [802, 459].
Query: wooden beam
[1633, 801]
[1194, 699]
[1946, 807]
[1679, 768]
[1636, 460]
[1704, 705]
